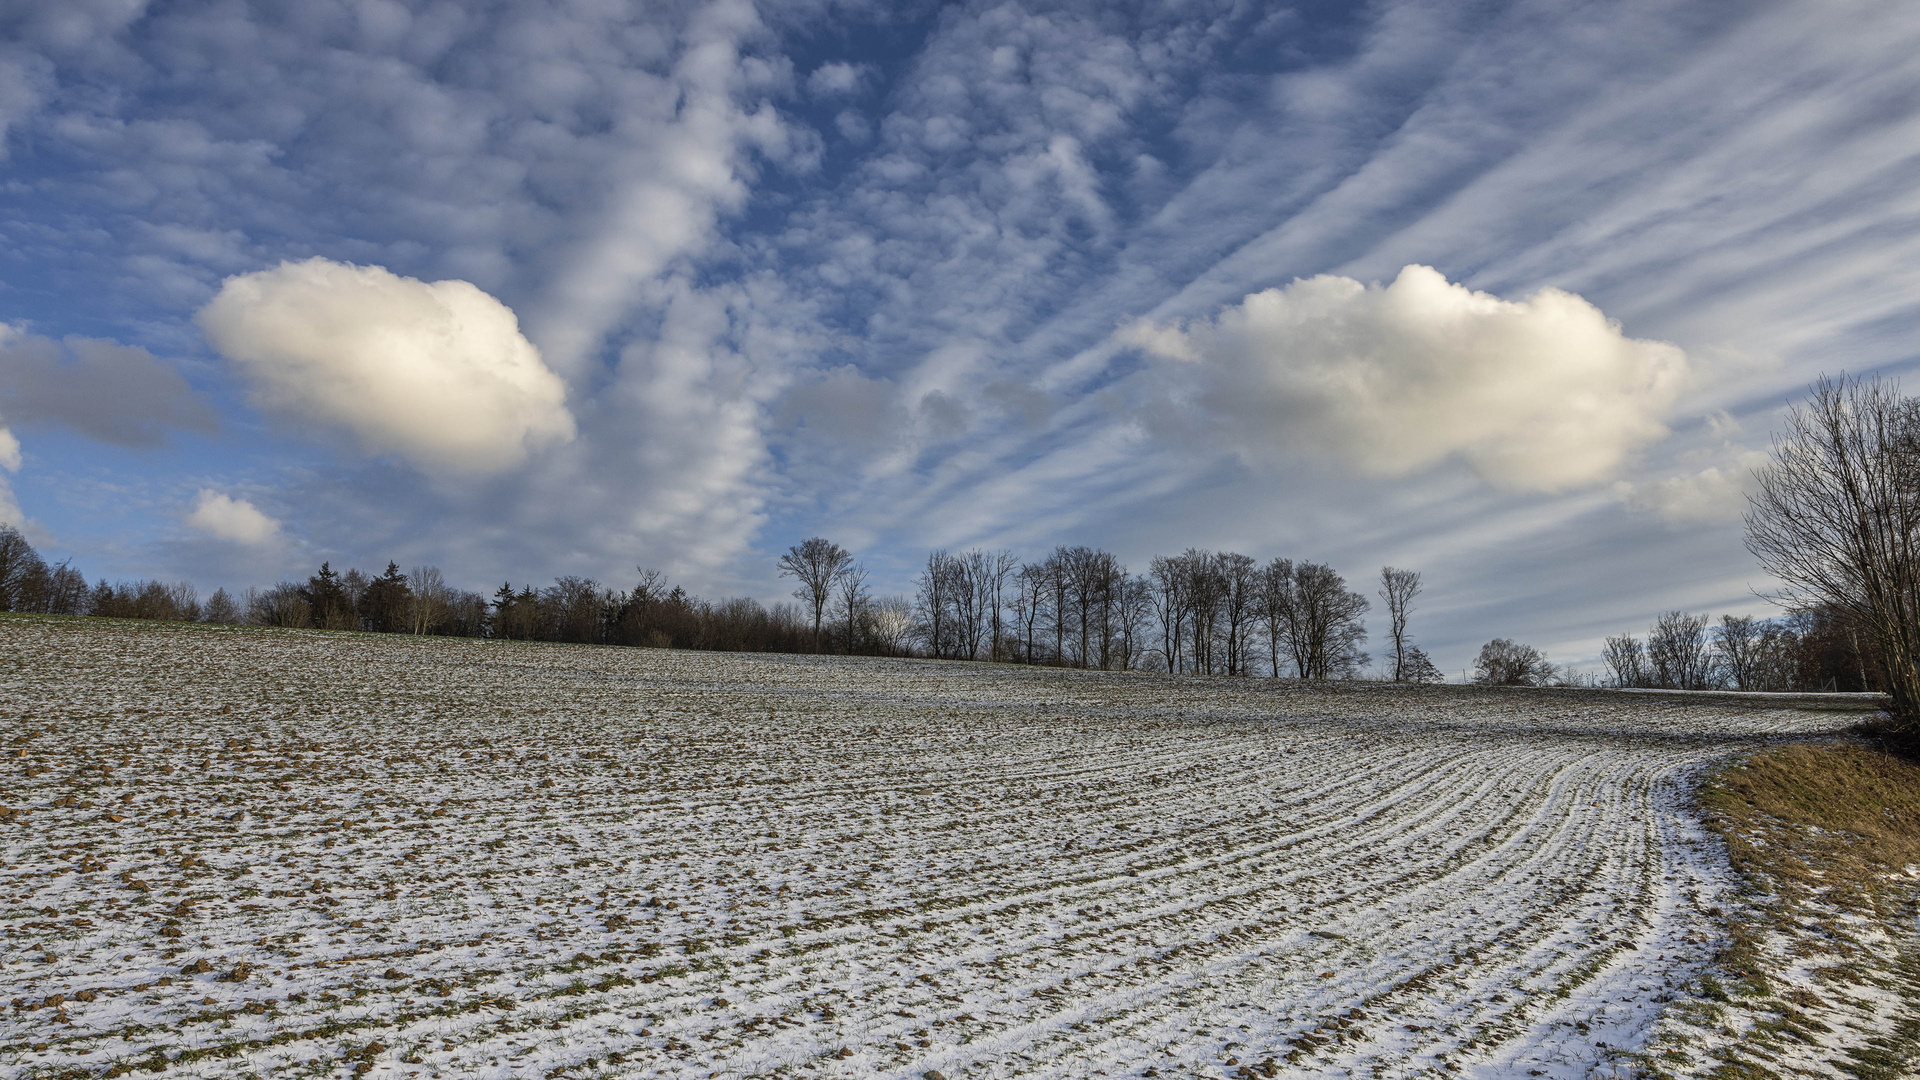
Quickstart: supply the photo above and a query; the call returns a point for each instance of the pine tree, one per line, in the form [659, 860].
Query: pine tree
[501, 625]
[384, 605]
[326, 599]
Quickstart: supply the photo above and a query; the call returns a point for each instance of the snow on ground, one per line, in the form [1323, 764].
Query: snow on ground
[1822, 974]
[249, 852]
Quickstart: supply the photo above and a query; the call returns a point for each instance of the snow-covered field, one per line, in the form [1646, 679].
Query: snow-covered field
[234, 852]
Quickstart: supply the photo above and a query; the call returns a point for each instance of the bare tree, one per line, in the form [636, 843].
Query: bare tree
[996, 572]
[651, 587]
[892, 624]
[66, 591]
[428, 599]
[1507, 663]
[1060, 579]
[1239, 579]
[1133, 613]
[852, 590]
[1626, 661]
[1203, 589]
[1277, 609]
[1779, 656]
[353, 590]
[1169, 589]
[1032, 586]
[220, 608]
[575, 608]
[817, 564]
[1836, 518]
[933, 602]
[1331, 615]
[974, 594]
[19, 566]
[1419, 668]
[1083, 571]
[1679, 656]
[27, 583]
[1397, 589]
[183, 602]
[1737, 644]
[280, 605]
[1318, 617]
[1101, 580]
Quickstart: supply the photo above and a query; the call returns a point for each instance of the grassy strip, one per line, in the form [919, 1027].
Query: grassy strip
[1865, 804]
[1825, 838]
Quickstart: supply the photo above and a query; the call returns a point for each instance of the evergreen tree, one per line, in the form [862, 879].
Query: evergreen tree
[383, 606]
[501, 625]
[326, 600]
[526, 614]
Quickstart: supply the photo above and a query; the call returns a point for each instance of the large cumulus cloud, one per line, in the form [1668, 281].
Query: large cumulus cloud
[1540, 394]
[436, 373]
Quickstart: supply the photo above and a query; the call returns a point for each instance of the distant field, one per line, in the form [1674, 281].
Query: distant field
[252, 852]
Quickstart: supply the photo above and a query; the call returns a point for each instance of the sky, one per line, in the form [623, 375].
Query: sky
[1512, 294]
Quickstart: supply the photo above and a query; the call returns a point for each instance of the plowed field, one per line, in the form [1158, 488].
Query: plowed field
[251, 852]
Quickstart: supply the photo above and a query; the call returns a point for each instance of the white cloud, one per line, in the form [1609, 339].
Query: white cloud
[1539, 394]
[437, 373]
[9, 451]
[231, 519]
[1710, 496]
[686, 158]
[837, 77]
[1710, 484]
[673, 462]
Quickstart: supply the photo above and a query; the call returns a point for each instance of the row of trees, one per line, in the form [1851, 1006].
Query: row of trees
[572, 609]
[1814, 648]
[1809, 650]
[1201, 612]
[1204, 612]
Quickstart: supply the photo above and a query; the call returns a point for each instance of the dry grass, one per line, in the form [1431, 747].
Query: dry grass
[1840, 819]
[1820, 969]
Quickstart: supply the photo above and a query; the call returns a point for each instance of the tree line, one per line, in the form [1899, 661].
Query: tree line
[1811, 649]
[572, 609]
[1201, 612]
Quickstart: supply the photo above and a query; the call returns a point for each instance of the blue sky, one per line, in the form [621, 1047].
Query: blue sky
[527, 289]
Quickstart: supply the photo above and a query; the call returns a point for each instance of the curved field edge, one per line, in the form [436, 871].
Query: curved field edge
[249, 852]
[1820, 974]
